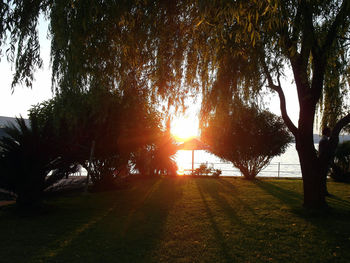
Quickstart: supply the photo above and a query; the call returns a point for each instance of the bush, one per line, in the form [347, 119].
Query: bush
[119, 127]
[246, 136]
[205, 170]
[217, 172]
[340, 169]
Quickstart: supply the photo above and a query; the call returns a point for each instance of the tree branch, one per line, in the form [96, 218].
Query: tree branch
[282, 98]
[334, 138]
[308, 34]
[339, 20]
[340, 125]
[343, 38]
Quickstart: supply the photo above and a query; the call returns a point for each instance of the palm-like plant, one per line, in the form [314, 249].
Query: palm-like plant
[26, 159]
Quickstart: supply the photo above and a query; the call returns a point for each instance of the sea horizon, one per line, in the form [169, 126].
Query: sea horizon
[283, 166]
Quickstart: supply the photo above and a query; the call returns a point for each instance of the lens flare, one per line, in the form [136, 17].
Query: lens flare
[184, 128]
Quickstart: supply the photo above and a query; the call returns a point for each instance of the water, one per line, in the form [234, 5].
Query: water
[289, 163]
[286, 165]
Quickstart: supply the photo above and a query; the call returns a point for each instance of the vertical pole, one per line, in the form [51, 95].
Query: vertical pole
[192, 162]
[279, 169]
[90, 163]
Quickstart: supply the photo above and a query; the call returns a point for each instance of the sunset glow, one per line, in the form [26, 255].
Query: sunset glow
[184, 128]
[181, 171]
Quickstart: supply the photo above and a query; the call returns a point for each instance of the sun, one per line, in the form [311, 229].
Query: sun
[184, 128]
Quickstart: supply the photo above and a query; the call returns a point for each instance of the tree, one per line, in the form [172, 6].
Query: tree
[119, 45]
[28, 162]
[312, 37]
[119, 125]
[124, 42]
[156, 157]
[247, 137]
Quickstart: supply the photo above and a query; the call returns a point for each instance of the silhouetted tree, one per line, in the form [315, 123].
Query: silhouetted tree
[156, 157]
[247, 137]
[340, 169]
[28, 161]
[120, 125]
[256, 42]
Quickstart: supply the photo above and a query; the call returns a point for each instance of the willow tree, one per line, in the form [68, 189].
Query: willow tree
[311, 38]
[159, 47]
[117, 45]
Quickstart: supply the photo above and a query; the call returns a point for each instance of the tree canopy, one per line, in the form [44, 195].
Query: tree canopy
[127, 44]
[115, 44]
[164, 48]
[247, 137]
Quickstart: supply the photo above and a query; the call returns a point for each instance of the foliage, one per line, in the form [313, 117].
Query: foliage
[123, 45]
[28, 162]
[118, 43]
[340, 168]
[205, 170]
[247, 137]
[310, 38]
[217, 172]
[156, 158]
[247, 45]
[267, 38]
[118, 125]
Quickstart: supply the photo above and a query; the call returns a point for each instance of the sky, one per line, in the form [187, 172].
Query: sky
[23, 98]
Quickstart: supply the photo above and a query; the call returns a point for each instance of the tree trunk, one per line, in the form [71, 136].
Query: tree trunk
[312, 170]
[313, 174]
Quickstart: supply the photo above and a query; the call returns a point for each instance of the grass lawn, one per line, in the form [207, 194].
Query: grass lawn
[182, 220]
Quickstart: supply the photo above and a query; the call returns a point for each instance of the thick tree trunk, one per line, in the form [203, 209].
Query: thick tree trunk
[313, 172]
[314, 168]
[313, 175]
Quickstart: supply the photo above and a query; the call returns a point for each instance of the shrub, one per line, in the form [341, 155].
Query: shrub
[205, 170]
[340, 169]
[217, 172]
[246, 136]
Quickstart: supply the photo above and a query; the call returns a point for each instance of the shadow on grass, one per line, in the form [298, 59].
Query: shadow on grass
[339, 202]
[220, 187]
[218, 234]
[230, 189]
[339, 209]
[288, 197]
[129, 231]
[65, 221]
[144, 226]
